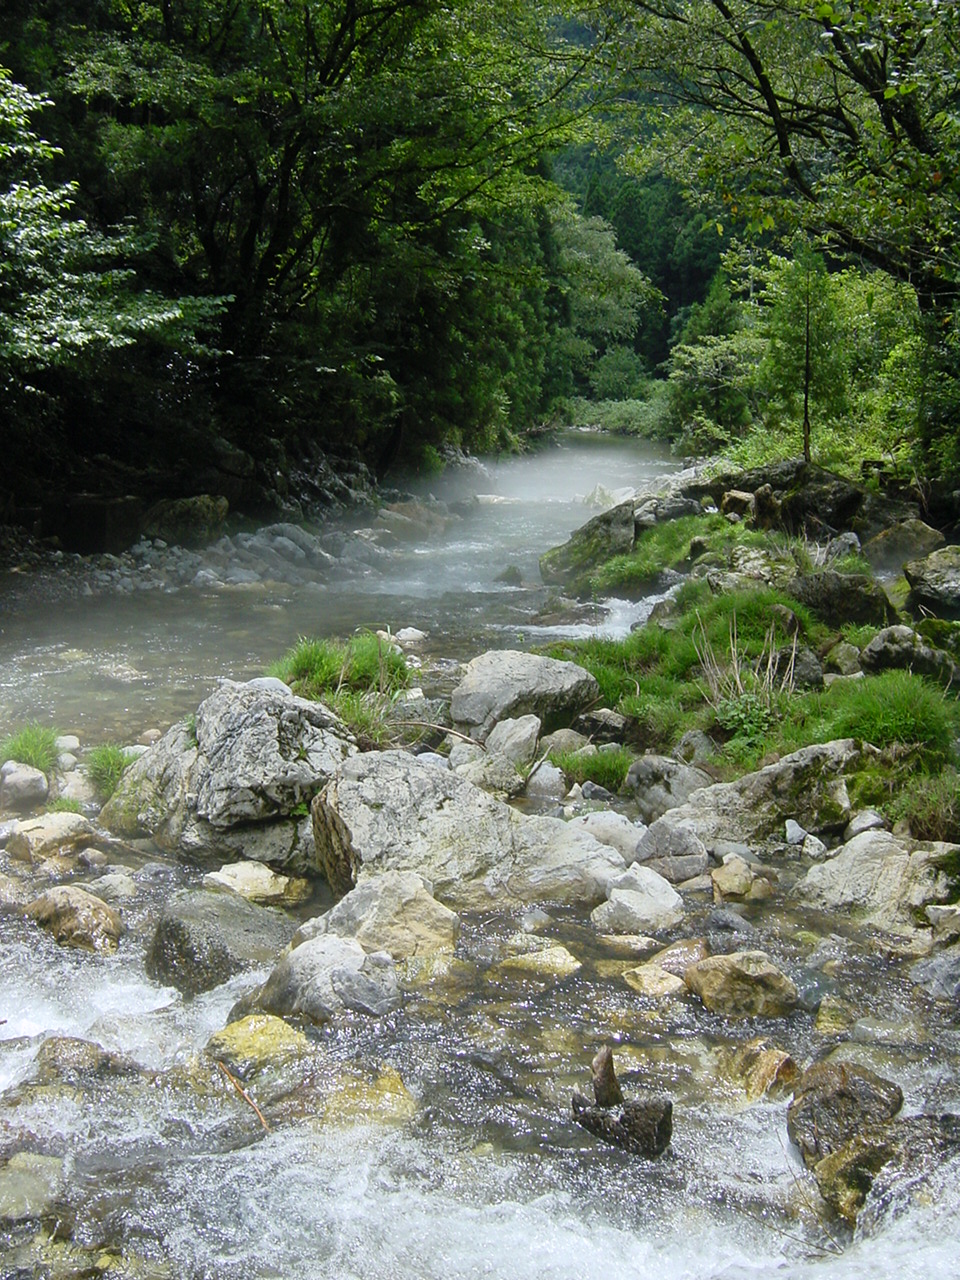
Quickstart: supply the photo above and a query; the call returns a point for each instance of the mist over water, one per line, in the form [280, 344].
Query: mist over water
[113, 665]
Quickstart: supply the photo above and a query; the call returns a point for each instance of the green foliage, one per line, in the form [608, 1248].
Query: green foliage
[64, 804]
[364, 664]
[898, 708]
[930, 803]
[606, 768]
[34, 744]
[105, 766]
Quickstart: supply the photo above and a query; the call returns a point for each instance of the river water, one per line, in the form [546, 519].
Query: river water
[470, 1168]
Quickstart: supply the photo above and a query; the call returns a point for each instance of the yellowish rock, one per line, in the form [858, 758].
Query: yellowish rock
[259, 883]
[652, 980]
[677, 958]
[384, 1100]
[834, 1016]
[549, 962]
[256, 1042]
[51, 833]
[759, 1069]
[733, 880]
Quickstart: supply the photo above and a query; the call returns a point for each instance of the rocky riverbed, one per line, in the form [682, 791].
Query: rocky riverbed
[272, 954]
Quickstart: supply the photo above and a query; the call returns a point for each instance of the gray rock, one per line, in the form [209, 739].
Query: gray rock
[901, 647]
[864, 820]
[325, 975]
[494, 773]
[563, 740]
[906, 540]
[695, 746]
[939, 974]
[515, 738]
[883, 880]
[844, 597]
[793, 832]
[507, 682]
[22, 786]
[843, 659]
[546, 782]
[640, 901]
[660, 783]
[228, 791]
[205, 937]
[393, 912]
[844, 544]
[676, 853]
[613, 829]
[808, 785]
[386, 811]
[935, 582]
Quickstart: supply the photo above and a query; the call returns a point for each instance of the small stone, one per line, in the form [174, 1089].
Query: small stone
[22, 786]
[258, 883]
[795, 834]
[732, 880]
[51, 833]
[548, 962]
[652, 980]
[864, 820]
[814, 848]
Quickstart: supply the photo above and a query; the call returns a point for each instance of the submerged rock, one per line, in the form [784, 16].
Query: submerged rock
[832, 1101]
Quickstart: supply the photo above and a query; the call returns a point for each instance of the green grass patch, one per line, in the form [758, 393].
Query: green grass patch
[317, 669]
[105, 765]
[64, 804]
[606, 768]
[34, 744]
[931, 805]
[898, 708]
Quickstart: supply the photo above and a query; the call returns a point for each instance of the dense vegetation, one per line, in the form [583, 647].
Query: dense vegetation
[232, 236]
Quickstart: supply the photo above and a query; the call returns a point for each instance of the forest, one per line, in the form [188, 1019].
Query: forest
[236, 237]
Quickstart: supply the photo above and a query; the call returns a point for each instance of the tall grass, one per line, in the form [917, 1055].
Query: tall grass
[33, 744]
[363, 664]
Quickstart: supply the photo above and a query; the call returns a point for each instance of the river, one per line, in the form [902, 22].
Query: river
[474, 1169]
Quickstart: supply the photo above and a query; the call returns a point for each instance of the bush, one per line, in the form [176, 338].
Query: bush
[34, 745]
[105, 766]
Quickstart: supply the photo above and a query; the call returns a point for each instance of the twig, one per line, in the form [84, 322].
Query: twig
[427, 724]
[243, 1094]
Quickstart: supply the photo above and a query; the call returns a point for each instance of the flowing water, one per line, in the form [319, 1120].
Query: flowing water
[435, 1143]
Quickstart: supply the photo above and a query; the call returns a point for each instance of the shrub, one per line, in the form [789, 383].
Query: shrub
[931, 805]
[34, 745]
[105, 766]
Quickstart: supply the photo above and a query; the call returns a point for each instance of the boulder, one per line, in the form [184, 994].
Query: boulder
[883, 880]
[840, 598]
[203, 938]
[644, 1126]
[77, 918]
[507, 682]
[640, 901]
[734, 879]
[832, 1101]
[903, 648]
[494, 773]
[187, 521]
[758, 1069]
[22, 786]
[30, 1186]
[808, 785]
[324, 976]
[229, 787]
[743, 984]
[515, 738]
[843, 659]
[611, 533]
[385, 811]
[906, 540]
[34, 839]
[935, 582]
[255, 1043]
[393, 912]
[659, 783]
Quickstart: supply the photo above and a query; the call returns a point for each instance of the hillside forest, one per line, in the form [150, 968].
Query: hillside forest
[239, 237]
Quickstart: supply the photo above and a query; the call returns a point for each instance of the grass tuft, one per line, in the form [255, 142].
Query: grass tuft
[34, 745]
[606, 768]
[105, 765]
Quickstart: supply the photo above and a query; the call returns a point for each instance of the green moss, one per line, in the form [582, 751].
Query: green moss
[34, 744]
